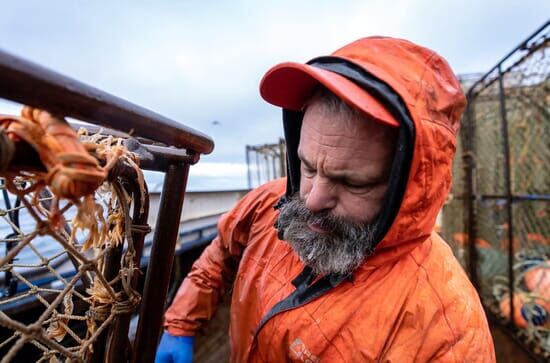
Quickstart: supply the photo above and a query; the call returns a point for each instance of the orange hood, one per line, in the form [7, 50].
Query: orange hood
[420, 81]
[435, 101]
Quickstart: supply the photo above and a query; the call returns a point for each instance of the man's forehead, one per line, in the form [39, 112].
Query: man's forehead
[334, 128]
[341, 120]
[359, 168]
[352, 146]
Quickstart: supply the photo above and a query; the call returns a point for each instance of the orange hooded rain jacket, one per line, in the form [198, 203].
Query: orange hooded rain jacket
[410, 301]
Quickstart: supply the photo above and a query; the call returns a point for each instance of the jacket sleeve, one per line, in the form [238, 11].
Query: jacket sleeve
[213, 273]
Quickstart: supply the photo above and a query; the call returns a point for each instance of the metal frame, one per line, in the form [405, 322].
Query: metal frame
[271, 167]
[27, 83]
[535, 42]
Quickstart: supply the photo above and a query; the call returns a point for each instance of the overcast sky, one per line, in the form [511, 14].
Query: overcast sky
[201, 61]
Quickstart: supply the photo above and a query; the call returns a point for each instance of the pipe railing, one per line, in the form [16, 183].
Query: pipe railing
[180, 146]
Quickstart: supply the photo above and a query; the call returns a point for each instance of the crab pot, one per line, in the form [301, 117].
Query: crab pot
[75, 269]
[497, 220]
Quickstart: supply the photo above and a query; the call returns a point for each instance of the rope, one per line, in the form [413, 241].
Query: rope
[7, 150]
[100, 221]
[71, 171]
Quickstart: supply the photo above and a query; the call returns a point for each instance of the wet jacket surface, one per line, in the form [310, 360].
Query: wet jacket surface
[408, 302]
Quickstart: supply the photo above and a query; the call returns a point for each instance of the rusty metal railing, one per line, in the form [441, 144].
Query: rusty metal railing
[172, 148]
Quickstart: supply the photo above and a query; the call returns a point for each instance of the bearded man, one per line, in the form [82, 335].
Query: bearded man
[346, 267]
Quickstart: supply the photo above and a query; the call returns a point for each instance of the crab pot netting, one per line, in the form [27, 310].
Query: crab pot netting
[77, 262]
[527, 111]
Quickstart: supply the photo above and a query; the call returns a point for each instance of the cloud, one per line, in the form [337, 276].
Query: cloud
[197, 62]
[217, 169]
[206, 176]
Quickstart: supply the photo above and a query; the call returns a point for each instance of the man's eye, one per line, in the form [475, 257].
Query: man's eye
[308, 171]
[355, 186]
[358, 186]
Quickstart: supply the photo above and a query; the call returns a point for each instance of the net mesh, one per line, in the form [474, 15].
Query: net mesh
[73, 259]
[527, 110]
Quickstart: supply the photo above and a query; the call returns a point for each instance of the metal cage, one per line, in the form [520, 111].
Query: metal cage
[172, 148]
[498, 219]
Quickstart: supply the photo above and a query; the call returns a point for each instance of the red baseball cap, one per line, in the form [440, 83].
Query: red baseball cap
[289, 85]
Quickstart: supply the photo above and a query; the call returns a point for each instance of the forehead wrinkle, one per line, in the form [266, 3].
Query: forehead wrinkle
[341, 166]
[338, 145]
[353, 151]
[354, 131]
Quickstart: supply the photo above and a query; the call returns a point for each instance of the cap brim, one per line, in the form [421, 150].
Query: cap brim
[289, 85]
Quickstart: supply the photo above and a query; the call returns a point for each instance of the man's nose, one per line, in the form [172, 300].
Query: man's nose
[322, 195]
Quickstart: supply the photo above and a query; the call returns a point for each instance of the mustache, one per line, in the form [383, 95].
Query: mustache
[296, 211]
[326, 220]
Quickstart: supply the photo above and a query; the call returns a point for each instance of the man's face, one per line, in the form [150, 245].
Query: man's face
[345, 164]
[344, 177]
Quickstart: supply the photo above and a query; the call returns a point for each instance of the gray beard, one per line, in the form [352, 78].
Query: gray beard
[340, 251]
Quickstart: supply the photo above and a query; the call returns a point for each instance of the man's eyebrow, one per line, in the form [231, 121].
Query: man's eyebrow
[304, 160]
[336, 175]
[343, 176]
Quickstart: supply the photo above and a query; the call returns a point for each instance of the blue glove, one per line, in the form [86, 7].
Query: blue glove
[173, 349]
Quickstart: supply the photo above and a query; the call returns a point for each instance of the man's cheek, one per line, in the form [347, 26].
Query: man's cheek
[305, 187]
